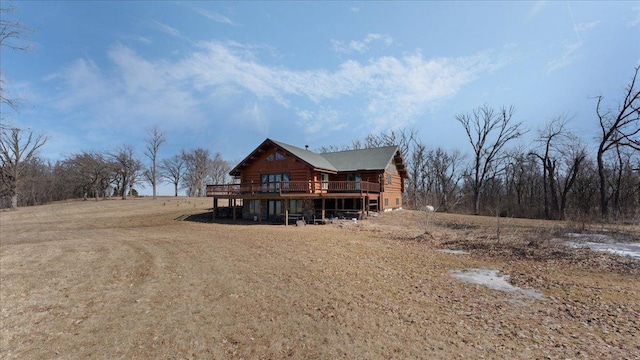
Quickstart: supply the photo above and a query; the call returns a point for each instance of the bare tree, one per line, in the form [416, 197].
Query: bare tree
[622, 181]
[488, 132]
[523, 181]
[573, 155]
[127, 169]
[445, 169]
[35, 187]
[88, 172]
[198, 166]
[417, 183]
[404, 139]
[219, 170]
[15, 152]
[619, 128]
[153, 142]
[173, 170]
[584, 191]
[12, 35]
[550, 137]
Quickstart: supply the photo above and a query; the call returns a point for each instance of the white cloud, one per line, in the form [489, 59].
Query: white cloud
[166, 29]
[360, 46]
[636, 19]
[83, 82]
[136, 91]
[569, 56]
[143, 39]
[587, 26]
[212, 15]
[535, 9]
[391, 92]
[321, 120]
[253, 117]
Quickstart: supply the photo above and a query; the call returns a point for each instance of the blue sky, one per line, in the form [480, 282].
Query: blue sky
[226, 75]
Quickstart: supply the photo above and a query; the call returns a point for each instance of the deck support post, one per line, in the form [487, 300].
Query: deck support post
[366, 205]
[323, 210]
[286, 213]
[215, 207]
[259, 210]
[233, 208]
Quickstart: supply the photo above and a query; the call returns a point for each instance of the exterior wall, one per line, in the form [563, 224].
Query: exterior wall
[307, 208]
[391, 196]
[300, 171]
[297, 170]
[370, 176]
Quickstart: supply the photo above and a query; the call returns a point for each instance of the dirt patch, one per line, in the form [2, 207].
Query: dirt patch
[124, 279]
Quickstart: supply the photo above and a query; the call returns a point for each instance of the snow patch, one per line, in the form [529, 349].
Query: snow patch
[631, 249]
[600, 238]
[491, 279]
[457, 252]
[600, 242]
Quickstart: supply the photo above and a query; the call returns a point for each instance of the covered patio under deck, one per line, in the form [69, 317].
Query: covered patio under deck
[322, 200]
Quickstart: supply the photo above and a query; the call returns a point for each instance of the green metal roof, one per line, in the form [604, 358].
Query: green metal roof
[313, 159]
[350, 160]
[362, 159]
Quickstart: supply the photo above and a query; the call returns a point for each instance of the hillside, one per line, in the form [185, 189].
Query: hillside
[136, 279]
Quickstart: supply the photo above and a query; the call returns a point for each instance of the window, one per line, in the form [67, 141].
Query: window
[397, 201]
[386, 202]
[356, 178]
[272, 182]
[296, 206]
[275, 156]
[254, 207]
[324, 179]
[389, 179]
[274, 209]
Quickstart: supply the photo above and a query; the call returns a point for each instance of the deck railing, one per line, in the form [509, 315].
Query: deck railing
[288, 187]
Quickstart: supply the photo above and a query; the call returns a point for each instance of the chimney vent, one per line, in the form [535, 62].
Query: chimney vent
[306, 147]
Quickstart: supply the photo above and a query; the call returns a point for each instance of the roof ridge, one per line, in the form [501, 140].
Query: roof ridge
[362, 149]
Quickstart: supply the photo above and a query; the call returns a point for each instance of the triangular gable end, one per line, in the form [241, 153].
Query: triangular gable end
[310, 158]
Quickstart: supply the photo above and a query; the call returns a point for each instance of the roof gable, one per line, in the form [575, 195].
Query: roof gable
[333, 162]
[316, 161]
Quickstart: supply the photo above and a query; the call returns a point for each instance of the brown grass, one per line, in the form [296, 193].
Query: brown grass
[125, 279]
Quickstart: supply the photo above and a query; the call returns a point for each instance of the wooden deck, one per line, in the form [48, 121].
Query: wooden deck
[294, 189]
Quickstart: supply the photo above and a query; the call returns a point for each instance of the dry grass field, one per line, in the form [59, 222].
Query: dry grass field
[131, 279]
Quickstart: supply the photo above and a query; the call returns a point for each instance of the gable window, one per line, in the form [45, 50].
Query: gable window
[274, 182]
[389, 179]
[275, 156]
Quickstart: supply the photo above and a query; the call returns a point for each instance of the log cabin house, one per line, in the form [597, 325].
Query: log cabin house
[284, 183]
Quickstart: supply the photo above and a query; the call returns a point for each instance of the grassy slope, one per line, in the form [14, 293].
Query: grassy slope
[124, 279]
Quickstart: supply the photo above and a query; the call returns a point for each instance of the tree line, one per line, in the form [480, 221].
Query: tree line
[27, 179]
[555, 178]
